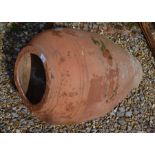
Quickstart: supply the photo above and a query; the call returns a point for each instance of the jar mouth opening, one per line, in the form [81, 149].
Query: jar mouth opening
[32, 77]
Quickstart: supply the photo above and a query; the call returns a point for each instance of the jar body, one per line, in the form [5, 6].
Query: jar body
[85, 75]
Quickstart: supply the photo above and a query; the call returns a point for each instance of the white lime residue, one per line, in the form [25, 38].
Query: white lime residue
[125, 72]
[137, 70]
[42, 57]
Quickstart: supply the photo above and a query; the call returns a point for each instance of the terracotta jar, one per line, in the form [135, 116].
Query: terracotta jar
[68, 76]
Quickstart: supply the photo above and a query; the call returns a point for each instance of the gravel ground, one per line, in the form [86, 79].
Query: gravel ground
[135, 114]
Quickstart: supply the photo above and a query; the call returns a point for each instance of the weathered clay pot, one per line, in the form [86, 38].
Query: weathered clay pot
[67, 76]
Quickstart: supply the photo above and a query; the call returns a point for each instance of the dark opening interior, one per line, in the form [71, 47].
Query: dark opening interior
[37, 83]
[33, 78]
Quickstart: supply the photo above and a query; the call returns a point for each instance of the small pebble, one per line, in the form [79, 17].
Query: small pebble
[128, 114]
[121, 121]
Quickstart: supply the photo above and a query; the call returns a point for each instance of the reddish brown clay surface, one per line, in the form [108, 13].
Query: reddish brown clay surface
[86, 75]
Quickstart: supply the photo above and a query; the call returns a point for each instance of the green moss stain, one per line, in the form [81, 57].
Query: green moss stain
[95, 41]
[102, 46]
[106, 53]
[99, 43]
